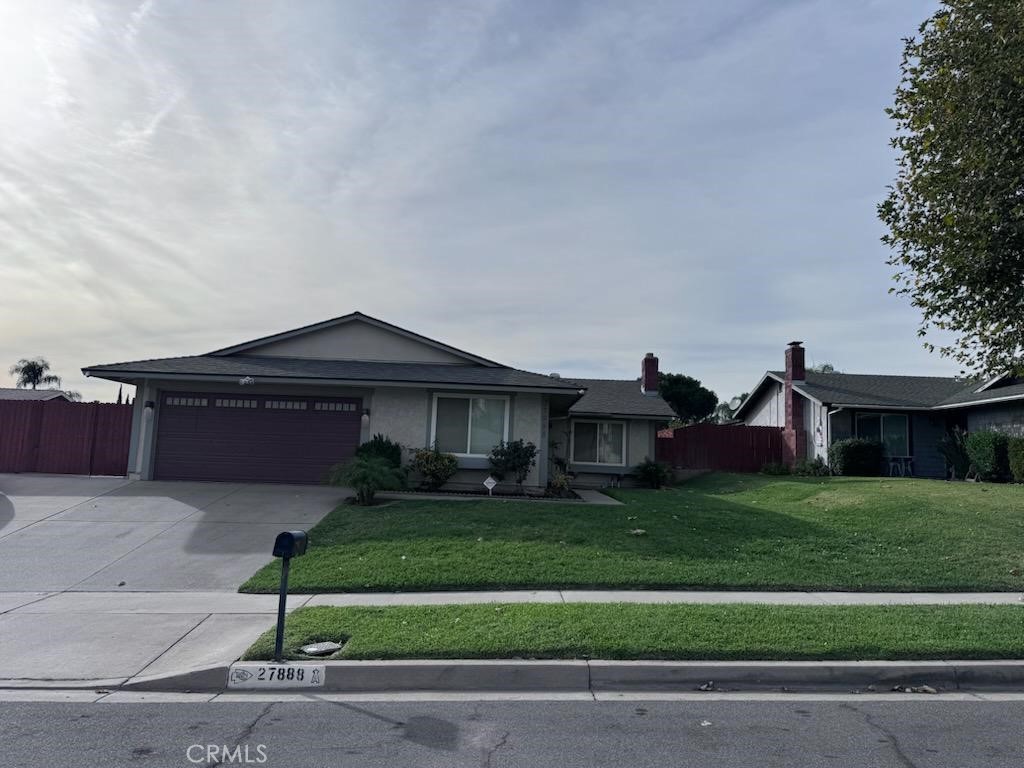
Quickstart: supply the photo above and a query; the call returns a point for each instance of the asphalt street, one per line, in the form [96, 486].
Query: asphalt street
[790, 733]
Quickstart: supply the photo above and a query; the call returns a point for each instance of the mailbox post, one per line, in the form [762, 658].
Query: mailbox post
[287, 545]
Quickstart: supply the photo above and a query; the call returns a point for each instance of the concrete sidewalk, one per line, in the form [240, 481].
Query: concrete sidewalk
[110, 639]
[668, 597]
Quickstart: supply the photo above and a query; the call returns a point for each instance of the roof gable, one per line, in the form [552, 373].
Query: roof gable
[355, 337]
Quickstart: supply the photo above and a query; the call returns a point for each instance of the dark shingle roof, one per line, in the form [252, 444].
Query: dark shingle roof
[968, 395]
[870, 389]
[345, 370]
[620, 398]
[30, 394]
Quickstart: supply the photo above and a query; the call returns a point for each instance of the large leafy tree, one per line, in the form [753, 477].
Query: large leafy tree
[31, 374]
[691, 401]
[955, 214]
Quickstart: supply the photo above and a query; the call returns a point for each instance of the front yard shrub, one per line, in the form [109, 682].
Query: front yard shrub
[856, 457]
[434, 466]
[653, 474]
[514, 459]
[953, 447]
[811, 468]
[987, 450]
[366, 475]
[1015, 453]
[775, 468]
[384, 447]
[558, 484]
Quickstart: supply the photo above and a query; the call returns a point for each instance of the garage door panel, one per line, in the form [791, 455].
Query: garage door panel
[271, 438]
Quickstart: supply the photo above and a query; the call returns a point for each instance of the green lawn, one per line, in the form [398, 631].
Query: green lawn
[715, 532]
[619, 631]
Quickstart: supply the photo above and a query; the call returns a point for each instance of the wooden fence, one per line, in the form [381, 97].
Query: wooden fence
[58, 437]
[726, 447]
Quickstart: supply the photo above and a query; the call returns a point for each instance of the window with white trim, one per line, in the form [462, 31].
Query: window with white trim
[599, 442]
[891, 429]
[469, 426]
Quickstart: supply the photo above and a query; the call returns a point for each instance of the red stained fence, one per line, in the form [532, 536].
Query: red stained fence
[58, 437]
[726, 447]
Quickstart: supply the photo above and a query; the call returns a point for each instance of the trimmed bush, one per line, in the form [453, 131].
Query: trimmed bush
[775, 468]
[384, 447]
[811, 468]
[987, 450]
[1015, 454]
[434, 466]
[513, 459]
[366, 475]
[856, 457]
[652, 473]
[953, 447]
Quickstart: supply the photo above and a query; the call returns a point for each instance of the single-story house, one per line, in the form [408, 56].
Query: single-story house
[286, 407]
[908, 414]
[10, 393]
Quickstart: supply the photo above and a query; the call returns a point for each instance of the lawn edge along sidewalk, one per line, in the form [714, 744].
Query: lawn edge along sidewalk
[400, 676]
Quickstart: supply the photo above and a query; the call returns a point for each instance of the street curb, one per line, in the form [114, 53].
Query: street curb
[628, 676]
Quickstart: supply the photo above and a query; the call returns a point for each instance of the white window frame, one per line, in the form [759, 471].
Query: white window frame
[881, 428]
[469, 426]
[572, 442]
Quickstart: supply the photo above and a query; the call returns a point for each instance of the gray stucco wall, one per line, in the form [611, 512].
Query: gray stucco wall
[401, 414]
[1008, 418]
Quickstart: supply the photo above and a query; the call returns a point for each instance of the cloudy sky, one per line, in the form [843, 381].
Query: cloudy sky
[561, 186]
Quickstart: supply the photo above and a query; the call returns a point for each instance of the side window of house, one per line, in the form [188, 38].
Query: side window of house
[891, 429]
[599, 442]
[469, 426]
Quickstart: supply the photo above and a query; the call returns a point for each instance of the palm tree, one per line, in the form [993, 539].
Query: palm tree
[32, 373]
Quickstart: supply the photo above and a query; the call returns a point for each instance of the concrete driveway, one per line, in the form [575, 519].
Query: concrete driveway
[60, 532]
[103, 579]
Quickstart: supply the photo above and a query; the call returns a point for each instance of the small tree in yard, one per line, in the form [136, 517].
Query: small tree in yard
[366, 475]
[513, 459]
[691, 401]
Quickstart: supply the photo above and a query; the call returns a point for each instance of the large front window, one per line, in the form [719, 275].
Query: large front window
[890, 429]
[469, 426]
[599, 442]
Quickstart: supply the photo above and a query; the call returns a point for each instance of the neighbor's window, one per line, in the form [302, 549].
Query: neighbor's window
[891, 429]
[469, 426]
[599, 442]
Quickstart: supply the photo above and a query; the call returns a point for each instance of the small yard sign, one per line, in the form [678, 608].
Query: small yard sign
[489, 484]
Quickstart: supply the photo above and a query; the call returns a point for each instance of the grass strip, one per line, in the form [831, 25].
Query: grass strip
[630, 631]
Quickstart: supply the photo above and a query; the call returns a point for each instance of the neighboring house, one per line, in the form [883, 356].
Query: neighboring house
[284, 408]
[909, 414]
[7, 393]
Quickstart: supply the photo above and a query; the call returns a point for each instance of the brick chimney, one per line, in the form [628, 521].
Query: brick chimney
[649, 374]
[793, 434]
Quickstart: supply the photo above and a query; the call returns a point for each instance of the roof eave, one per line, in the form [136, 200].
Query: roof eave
[972, 403]
[129, 376]
[609, 415]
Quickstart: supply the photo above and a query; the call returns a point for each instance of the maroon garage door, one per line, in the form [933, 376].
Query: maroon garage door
[255, 438]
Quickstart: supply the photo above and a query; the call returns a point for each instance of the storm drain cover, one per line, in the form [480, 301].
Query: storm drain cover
[320, 649]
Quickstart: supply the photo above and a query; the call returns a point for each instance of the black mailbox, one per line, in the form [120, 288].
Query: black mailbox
[290, 544]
